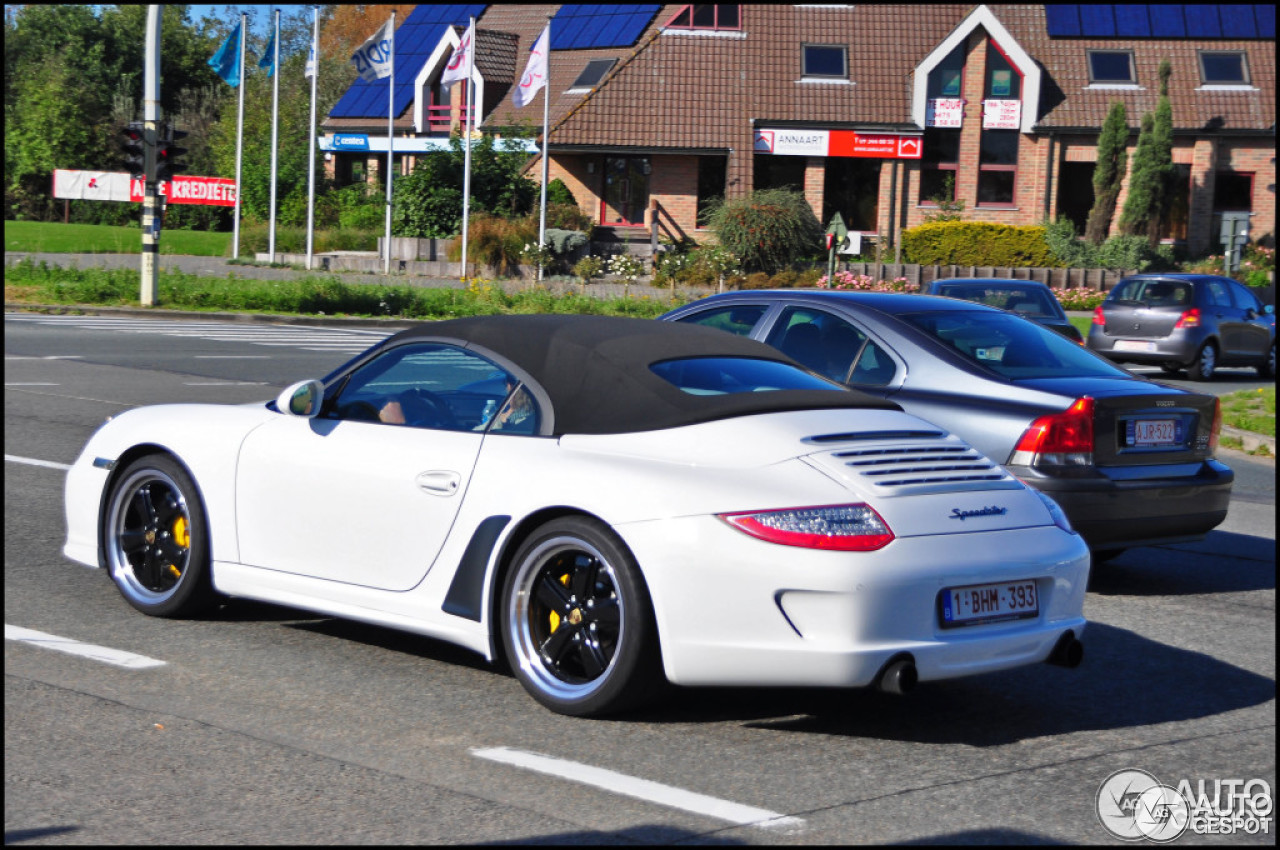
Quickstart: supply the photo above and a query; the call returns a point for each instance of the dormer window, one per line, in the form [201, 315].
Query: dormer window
[593, 73]
[826, 61]
[1004, 82]
[1111, 67]
[1223, 68]
[705, 16]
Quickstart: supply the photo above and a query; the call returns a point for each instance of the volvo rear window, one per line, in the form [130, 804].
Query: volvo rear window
[728, 375]
[1011, 346]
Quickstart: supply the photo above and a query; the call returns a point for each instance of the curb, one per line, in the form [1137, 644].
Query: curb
[1250, 441]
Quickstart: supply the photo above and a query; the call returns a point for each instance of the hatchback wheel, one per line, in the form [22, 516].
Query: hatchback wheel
[1201, 369]
[577, 625]
[156, 539]
[1267, 368]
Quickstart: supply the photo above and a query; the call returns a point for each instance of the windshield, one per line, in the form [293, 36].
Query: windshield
[1024, 300]
[727, 375]
[1011, 346]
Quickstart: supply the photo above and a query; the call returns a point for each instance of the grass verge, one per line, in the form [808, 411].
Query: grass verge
[57, 238]
[1251, 410]
[318, 295]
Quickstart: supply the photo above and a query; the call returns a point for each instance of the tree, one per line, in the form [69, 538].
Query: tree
[769, 230]
[1108, 174]
[1149, 183]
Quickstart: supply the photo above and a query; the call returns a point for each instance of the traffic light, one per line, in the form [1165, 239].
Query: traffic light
[168, 154]
[134, 147]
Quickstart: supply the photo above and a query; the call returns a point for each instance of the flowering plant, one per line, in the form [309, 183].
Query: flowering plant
[625, 266]
[537, 255]
[863, 283]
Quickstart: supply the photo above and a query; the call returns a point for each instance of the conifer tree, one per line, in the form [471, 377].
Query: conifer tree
[1108, 174]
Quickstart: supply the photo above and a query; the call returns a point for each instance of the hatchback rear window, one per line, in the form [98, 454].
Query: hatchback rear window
[726, 375]
[1154, 293]
[1011, 346]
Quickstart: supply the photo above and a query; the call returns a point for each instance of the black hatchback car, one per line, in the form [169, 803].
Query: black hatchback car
[1195, 322]
[1028, 298]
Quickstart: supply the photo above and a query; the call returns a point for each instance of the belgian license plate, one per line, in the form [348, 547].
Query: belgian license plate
[1153, 432]
[989, 603]
[1134, 345]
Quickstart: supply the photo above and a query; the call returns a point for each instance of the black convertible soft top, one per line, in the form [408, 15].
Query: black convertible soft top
[595, 369]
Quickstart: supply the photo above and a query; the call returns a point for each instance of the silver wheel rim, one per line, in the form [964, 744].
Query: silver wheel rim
[1207, 358]
[148, 537]
[569, 655]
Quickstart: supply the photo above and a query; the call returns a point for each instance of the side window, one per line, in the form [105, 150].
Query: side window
[1245, 299]
[433, 385]
[738, 319]
[831, 346]
[1220, 294]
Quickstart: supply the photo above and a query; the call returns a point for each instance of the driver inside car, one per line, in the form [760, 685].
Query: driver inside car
[408, 408]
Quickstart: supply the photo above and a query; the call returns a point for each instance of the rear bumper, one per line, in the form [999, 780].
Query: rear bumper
[1109, 513]
[1179, 347]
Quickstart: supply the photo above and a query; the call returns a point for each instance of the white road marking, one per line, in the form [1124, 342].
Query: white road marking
[224, 383]
[233, 356]
[641, 789]
[105, 654]
[30, 384]
[325, 339]
[30, 461]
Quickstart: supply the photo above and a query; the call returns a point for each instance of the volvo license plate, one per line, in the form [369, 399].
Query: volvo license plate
[1142, 433]
[988, 603]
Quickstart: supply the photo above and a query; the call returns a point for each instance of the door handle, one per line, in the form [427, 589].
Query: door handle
[438, 482]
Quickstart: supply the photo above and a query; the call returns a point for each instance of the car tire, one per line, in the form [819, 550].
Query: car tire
[1171, 367]
[1267, 368]
[1206, 360]
[577, 623]
[155, 539]
[1101, 556]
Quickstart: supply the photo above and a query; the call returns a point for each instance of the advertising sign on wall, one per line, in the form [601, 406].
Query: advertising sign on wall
[119, 186]
[844, 143]
[945, 112]
[1001, 114]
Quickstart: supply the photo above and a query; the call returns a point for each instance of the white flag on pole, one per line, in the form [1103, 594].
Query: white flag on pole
[311, 61]
[535, 73]
[458, 64]
[372, 59]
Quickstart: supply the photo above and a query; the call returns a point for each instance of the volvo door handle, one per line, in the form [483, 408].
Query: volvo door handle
[438, 482]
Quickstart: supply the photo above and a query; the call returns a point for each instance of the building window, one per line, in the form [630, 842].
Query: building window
[826, 61]
[593, 73]
[1233, 191]
[997, 167]
[702, 16]
[626, 191]
[778, 172]
[938, 164]
[1178, 215]
[1004, 82]
[712, 171]
[947, 78]
[1113, 67]
[851, 187]
[1223, 68]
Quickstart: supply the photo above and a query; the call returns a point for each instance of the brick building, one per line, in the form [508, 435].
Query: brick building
[874, 111]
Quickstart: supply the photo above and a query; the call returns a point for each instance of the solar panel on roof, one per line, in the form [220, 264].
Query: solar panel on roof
[1161, 21]
[587, 27]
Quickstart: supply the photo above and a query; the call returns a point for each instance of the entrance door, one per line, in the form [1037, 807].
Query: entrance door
[626, 190]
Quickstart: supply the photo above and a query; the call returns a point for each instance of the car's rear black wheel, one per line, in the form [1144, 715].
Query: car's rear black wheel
[1171, 367]
[1201, 368]
[156, 539]
[577, 623]
[1267, 368]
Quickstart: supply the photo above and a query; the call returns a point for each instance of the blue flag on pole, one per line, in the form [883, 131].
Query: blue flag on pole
[226, 62]
[268, 59]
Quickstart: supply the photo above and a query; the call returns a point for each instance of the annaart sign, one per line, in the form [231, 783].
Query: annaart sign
[844, 143]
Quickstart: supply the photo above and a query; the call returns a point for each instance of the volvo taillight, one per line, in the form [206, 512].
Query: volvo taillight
[1059, 439]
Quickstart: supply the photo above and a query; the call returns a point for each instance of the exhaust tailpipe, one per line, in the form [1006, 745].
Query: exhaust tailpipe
[1068, 652]
[899, 677]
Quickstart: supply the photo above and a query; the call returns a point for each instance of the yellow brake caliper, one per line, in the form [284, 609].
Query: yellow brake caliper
[182, 537]
[555, 618]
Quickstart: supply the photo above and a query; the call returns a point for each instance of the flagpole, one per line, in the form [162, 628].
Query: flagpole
[546, 112]
[275, 134]
[391, 139]
[466, 165]
[235, 251]
[311, 149]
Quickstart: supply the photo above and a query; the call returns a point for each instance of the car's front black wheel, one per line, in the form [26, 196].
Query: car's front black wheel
[1201, 368]
[156, 539]
[1267, 368]
[577, 623]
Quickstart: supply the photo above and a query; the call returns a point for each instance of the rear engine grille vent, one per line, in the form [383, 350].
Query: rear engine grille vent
[941, 462]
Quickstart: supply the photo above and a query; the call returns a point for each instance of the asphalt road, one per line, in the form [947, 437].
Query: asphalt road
[270, 725]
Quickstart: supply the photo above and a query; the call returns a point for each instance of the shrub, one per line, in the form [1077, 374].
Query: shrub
[769, 230]
[496, 242]
[588, 267]
[1125, 253]
[558, 194]
[1070, 251]
[976, 243]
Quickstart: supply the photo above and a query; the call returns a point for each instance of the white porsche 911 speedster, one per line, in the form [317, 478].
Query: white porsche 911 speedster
[606, 503]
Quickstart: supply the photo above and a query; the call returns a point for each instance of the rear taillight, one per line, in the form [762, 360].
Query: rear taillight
[845, 528]
[1215, 430]
[1188, 319]
[1059, 439]
[1099, 318]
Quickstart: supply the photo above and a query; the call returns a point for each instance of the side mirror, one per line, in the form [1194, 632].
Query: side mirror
[1269, 310]
[301, 399]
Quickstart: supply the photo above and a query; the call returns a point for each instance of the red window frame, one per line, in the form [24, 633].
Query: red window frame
[715, 27]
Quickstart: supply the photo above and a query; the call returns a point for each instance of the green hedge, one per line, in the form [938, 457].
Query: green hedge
[977, 243]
